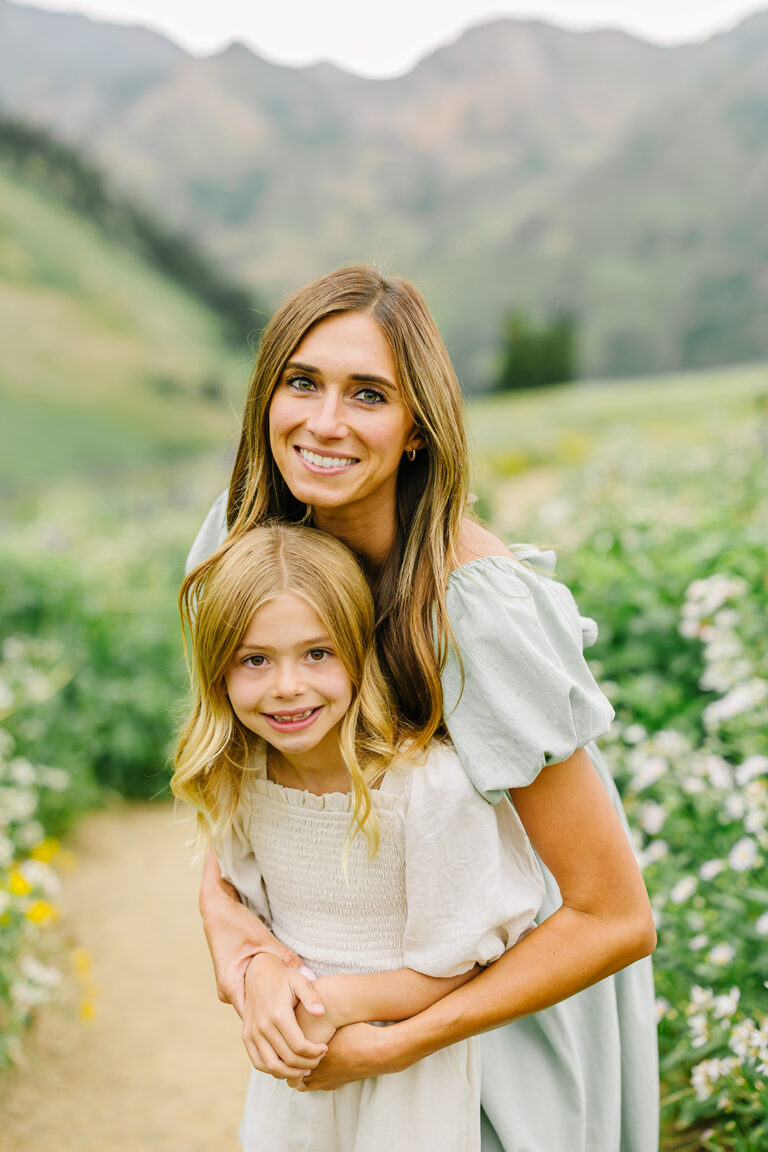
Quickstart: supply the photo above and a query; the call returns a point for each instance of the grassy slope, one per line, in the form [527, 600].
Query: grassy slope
[103, 358]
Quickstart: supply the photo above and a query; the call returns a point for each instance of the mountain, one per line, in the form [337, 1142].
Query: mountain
[521, 165]
[107, 362]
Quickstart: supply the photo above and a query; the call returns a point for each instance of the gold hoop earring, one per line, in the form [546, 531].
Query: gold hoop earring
[411, 455]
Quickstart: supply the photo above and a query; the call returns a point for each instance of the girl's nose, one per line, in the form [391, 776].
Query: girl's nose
[288, 680]
[326, 420]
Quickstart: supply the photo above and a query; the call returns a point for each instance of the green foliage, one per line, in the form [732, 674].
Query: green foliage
[109, 725]
[66, 175]
[533, 355]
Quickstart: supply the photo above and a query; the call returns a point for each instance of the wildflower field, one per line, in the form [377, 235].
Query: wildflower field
[656, 497]
[664, 534]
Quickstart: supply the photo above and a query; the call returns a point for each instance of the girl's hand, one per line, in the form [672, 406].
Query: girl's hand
[273, 1039]
[234, 935]
[355, 1052]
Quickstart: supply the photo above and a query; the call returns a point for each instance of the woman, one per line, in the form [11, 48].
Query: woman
[354, 420]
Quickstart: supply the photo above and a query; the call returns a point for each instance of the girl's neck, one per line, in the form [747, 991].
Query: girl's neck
[318, 775]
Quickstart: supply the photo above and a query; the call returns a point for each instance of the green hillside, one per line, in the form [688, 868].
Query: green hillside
[107, 363]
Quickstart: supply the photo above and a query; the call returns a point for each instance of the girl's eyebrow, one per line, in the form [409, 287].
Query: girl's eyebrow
[318, 642]
[358, 377]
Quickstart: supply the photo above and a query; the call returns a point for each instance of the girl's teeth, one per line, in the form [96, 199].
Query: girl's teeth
[326, 461]
[296, 716]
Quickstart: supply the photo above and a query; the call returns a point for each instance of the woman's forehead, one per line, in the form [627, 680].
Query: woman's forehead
[346, 345]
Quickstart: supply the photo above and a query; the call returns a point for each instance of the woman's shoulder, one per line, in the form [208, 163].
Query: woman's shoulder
[476, 542]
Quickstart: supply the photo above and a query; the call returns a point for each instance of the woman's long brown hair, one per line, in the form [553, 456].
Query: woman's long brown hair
[412, 627]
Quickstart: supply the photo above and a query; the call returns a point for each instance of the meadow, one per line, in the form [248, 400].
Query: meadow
[654, 494]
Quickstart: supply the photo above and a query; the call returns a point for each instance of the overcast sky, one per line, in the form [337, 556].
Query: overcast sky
[387, 37]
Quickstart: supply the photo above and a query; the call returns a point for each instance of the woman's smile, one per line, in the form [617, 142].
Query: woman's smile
[338, 424]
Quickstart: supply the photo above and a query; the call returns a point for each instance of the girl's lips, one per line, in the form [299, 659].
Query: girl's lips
[306, 456]
[289, 725]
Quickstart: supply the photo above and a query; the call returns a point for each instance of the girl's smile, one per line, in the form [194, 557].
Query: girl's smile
[338, 425]
[286, 684]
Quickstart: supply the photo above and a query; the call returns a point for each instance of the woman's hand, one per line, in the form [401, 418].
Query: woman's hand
[234, 935]
[355, 1052]
[272, 1035]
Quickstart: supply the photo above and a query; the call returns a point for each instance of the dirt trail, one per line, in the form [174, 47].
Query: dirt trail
[161, 1067]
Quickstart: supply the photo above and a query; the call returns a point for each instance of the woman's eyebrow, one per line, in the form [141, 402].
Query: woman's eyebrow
[366, 378]
[358, 377]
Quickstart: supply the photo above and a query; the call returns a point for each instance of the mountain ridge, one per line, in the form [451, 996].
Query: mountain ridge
[284, 172]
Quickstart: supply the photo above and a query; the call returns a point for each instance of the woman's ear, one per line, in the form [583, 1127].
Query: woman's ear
[415, 441]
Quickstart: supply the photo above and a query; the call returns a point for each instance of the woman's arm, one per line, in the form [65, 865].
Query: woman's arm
[234, 934]
[604, 923]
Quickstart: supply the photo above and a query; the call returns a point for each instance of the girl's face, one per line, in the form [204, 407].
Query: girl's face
[338, 425]
[286, 683]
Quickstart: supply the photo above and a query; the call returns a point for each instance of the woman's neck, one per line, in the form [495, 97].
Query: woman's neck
[369, 534]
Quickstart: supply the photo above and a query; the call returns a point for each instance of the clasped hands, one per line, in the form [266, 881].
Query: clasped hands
[288, 1019]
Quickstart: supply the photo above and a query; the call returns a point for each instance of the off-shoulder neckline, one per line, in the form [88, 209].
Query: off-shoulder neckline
[528, 552]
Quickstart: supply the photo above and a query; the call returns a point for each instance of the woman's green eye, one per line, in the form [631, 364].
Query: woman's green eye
[372, 396]
[300, 383]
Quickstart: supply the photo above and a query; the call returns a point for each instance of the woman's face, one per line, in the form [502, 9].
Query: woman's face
[338, 425]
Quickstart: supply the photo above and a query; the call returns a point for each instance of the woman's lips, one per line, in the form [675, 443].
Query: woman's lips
[324, 465]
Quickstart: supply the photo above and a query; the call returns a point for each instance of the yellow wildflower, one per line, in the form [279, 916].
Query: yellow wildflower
[40, 911]
[45, 850]
[18, 883]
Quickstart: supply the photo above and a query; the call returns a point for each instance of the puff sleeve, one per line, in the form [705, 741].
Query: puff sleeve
[212, 533]
[238, 865]
[473, 884]
[528, 697]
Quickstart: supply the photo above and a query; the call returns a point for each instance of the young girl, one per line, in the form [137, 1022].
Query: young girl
[386, 872]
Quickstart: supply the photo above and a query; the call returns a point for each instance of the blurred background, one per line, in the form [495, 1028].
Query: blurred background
[581, 192]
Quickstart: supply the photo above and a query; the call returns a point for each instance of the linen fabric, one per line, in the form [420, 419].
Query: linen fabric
[453, 884]
[581, 1076]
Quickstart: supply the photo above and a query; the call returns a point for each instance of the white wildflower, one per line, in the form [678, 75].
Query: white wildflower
[652, 817]
[651, 770]
[42, 877]
[21, 772]
[711, 868]
[693, 785]
[28, 835]
[696, 943]
[656, 851]
[662, 1007]
[54, 778]
[719, 773]
[20, 803]
[743, 698]
[735, 805]
[634, 733]
[726, 1004]
[743, 856]
[7, 851]
[670, 743]
[701, 998]
[721, 955]
[752, 767]
[683, 890]
[761, 924]
[698, 1028]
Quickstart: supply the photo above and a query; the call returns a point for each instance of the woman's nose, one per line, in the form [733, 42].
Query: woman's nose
[326, 419]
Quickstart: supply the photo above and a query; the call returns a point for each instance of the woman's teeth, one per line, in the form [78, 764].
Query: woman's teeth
[326, 461]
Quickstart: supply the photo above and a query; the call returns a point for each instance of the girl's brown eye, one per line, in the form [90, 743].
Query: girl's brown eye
[317, 654]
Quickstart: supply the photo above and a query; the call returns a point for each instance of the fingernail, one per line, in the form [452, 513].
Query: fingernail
[307, 972]
[305, 1074]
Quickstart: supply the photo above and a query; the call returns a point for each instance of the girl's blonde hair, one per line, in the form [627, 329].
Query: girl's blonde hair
[217, 602]
[412, 625]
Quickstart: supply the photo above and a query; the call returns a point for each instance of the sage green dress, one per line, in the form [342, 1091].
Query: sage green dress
[581, 1076]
